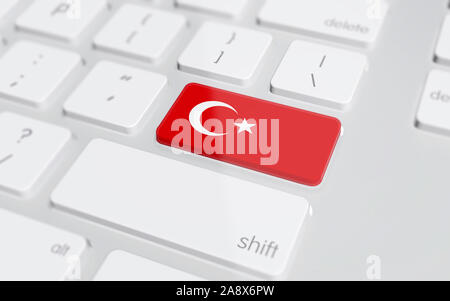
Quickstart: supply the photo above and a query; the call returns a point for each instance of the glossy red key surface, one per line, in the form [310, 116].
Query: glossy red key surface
[271, 138]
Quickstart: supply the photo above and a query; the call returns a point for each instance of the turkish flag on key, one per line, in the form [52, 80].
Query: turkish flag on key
[278, 140]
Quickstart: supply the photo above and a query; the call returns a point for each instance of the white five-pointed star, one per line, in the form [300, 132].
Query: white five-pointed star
[245, 126]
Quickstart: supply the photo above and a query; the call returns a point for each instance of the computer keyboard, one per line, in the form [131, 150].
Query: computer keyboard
[94, 92]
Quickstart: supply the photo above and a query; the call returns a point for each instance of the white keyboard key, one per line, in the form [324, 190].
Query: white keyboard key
[140, 32]
[434, 110]
[317, 73]
[357, 21]
[28, 148]
[32, 251]
[6, 6]
[115, 96]
[443, 46]
[251, 226]
[62, 19]
[230, 8]
[225, 52]
[123, 266]
[31, 72]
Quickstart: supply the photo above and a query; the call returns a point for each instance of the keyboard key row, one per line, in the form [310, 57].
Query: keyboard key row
[309, 72]
[30, 146]
[223, 52]
[350, 20]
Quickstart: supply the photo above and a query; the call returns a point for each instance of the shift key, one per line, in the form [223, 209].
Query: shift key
[230, 221]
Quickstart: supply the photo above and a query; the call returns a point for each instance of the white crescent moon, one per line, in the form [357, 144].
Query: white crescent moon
[195, 116]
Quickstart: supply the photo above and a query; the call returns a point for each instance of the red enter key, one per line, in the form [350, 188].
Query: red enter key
[278, 140]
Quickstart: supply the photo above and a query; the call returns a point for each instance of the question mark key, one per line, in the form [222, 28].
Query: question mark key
[26, 155]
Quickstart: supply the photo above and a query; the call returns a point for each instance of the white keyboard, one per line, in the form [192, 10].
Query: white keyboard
[91, 190]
